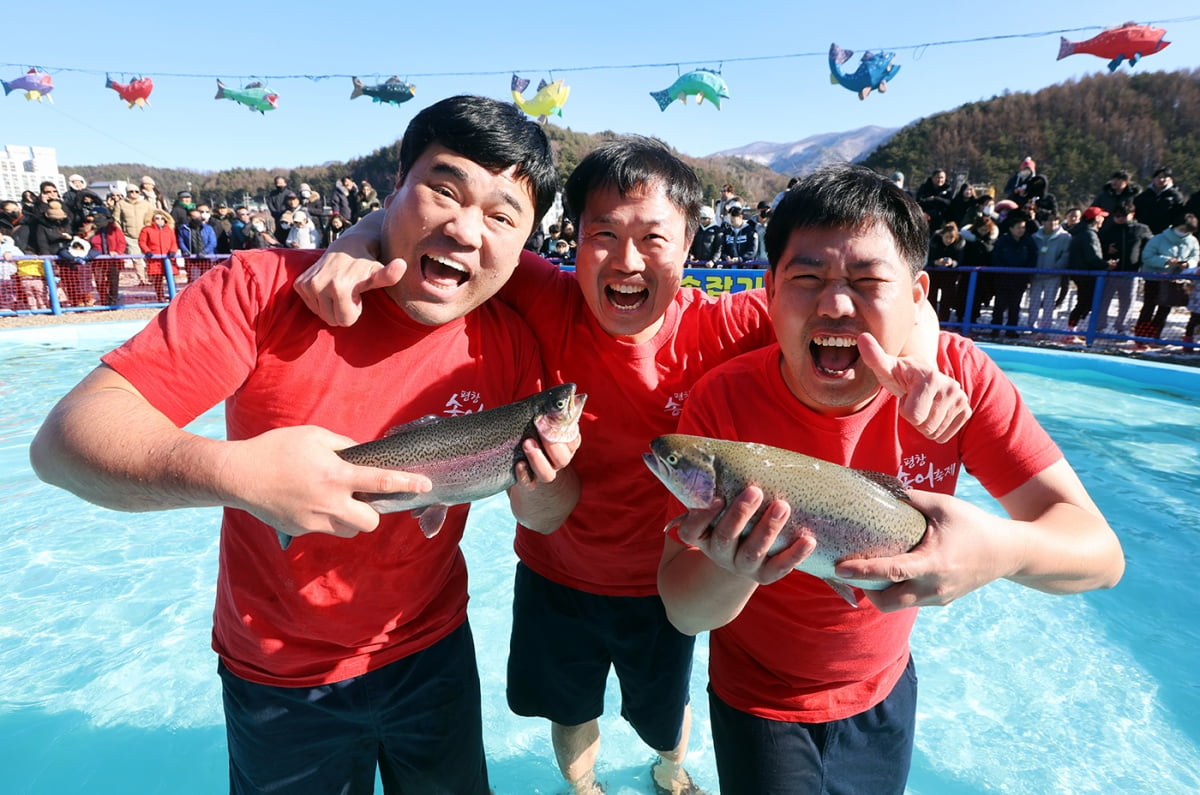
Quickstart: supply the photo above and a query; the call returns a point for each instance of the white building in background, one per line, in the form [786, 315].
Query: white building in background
[24, 168]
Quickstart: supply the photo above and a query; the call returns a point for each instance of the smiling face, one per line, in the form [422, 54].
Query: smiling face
[829, 286]
[629, 261]
[460, 229]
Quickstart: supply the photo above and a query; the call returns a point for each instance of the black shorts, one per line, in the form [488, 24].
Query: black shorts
[563, 642]
[417, 718]
[866, 754]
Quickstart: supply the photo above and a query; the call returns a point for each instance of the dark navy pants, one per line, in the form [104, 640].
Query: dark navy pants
[865, 754]
[418, 719]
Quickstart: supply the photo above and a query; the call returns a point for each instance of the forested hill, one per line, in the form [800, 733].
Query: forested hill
[236, 186]
[1078, 132]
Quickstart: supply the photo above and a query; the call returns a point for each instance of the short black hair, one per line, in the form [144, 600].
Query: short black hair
[848, 196]
[628, 164]
[496, 135]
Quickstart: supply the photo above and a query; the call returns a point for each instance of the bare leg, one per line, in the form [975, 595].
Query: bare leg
[668, 772]
[576, 748]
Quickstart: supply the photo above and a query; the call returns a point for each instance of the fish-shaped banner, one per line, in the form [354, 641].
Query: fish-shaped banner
[255, 96]
[34, 83]
[703, 83]
[393, 90]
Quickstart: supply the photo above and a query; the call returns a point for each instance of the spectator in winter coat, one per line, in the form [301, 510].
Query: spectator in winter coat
[1116, 192]
[1122, 239]
[1053, 245]
[1086, 254]
[132, 214]
[303, 233]
[946, 249]
[1014, 249]
[706, 245]
[739, 239]
[934, 196]
[158, 243]
[1170, 251]
[108, 246]
[1161, 205]
[341, 201]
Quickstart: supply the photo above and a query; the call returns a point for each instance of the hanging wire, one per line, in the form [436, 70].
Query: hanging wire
[610, 67]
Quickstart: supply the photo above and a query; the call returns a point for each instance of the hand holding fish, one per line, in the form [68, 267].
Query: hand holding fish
[260, 476]
[332, 287]
[546, 491]
[934, 403]
[725, 536]
[963, 550]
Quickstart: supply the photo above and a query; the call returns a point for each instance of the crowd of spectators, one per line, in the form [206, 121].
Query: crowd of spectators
[1124, 230]
[93, 240]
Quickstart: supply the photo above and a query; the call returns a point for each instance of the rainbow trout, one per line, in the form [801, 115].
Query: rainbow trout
[852, 513]
[467, 457]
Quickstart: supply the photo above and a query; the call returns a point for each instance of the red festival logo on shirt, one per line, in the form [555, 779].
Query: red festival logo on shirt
[466, 401]
[917, 471]
[675, 403]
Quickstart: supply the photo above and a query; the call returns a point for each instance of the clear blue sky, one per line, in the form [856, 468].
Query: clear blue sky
[611, 54]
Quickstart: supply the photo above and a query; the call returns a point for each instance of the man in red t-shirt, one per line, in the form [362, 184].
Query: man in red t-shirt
[350, 650]
[808, 693]
[623, 328]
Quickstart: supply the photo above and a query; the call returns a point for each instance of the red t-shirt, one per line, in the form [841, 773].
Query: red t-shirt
[797, 651]
[612, 542]
[326, 608]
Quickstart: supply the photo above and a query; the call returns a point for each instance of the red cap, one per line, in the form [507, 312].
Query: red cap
[1092, 213]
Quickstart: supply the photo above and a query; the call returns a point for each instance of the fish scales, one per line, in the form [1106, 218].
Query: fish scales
[851, 513]
[467, 457]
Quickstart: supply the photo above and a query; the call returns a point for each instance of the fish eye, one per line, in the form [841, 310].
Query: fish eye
[672, 459]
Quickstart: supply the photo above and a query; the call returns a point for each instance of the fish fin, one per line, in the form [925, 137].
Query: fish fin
[255, 84]
[1116, 62]
[284, 539]
[542, 84]
[889, 482]
[833, 79]
[428, 419]
[394, 79]
[431, 518]
[882, 86]
[663, 98]
[358, 88]
[519, 85]
[1065, 48]
[863, 92]
[843, 590]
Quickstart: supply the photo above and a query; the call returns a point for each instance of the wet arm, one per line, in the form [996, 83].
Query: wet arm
[106, 443]
[1054, 539]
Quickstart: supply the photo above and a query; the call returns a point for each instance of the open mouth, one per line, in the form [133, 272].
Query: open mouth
[834, 356]
[442, 273]
[626, 297]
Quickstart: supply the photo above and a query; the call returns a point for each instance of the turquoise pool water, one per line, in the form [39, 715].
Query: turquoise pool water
[107, 683]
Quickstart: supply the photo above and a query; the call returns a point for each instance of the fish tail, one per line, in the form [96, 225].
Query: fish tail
[839, 56]
[8, 89]
[108, 82]
[358, 88]
[519, 85]
[220, 90]
[1065, 48]
[663, 98]
[284, 539]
